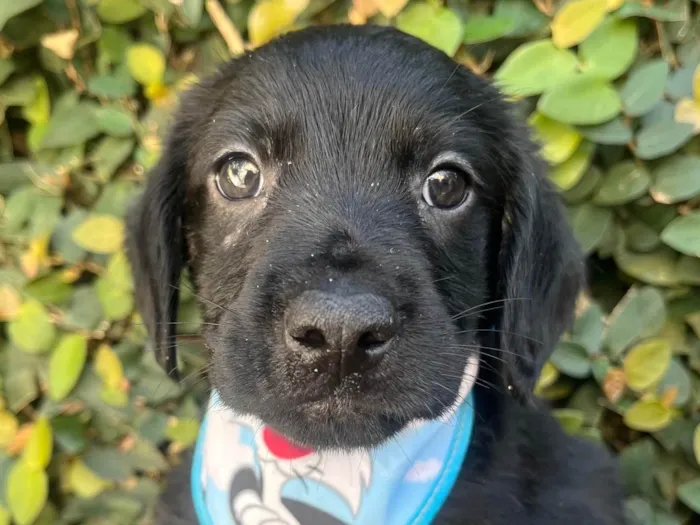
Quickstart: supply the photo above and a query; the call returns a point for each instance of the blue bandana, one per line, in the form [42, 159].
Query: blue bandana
[244, 473]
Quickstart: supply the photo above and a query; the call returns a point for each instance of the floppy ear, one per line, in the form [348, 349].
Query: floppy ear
[156, 249]
[541, 274]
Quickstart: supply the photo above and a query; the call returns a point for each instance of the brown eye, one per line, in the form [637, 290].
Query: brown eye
[445, 189]
[239, 178]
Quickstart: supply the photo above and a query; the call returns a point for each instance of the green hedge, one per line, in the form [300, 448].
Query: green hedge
[87, 419]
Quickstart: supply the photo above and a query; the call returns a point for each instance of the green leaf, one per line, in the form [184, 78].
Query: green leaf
[100, 234]
[683, 234]
[9, 9]
[482, 28]
[688, 270]
[589, 329]
[689, 494]
[32, 329]
[84, 310]
[146, 456]
[69, 432]
[110, 154]
[113, 87]
[146, 64]
[72, 123]
[571, 359]
[611, 48]
[115, 122]
[613, 132]
[571, 420]
[644, 87]
[120, 11]
[657, 267]
[27, 492]
[570, 172]
[183, 431]
[66, 365]
[590, 223]
[641, 313]
[584, 99]
[39, 448]
[108, 463]
[191, 11]
[534, 67]
[646, 363]
[624, 183]
[676, 179]
[438, 26]
[662, 138]
[676, 377]
[672, 12]
[648, 416]
[7, 67]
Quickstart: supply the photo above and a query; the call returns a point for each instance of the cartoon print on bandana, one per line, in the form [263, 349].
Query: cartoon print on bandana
[245, 473]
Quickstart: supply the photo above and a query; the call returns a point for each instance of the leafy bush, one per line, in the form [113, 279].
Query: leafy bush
[88, 422]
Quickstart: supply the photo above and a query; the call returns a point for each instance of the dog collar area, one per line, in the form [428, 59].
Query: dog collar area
[245, 473]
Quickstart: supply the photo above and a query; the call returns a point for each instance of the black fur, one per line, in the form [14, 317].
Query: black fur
[346, 123]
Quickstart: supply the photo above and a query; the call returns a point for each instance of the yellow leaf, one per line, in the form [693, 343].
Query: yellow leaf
[4, 516]
[27, 491]
[548, 376]
[39, 448]
[390, 8]
[100, 234]
[559, 141]
[614, 4]
[646, 363]
[8, 428]
[38, 111]
[688, 110]
[158, 94]
[361, 11]
[270, 18]
[108, 367]
[66, 365]
[577, 19]
[647, 416]
[61, 43]
[36, 257]
[146, 64]
[696, 84]
[567, 174]
[84, 482]
[10, 302]
[696, 443]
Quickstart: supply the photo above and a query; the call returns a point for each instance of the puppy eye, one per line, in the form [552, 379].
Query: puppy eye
[239, 178]
[445, 188]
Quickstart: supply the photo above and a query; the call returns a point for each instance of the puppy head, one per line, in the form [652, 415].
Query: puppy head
[360, 215]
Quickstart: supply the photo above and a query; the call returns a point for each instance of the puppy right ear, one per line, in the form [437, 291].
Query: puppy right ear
[155, 247]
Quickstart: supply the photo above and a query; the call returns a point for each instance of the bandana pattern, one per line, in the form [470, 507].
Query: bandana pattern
[245, 473]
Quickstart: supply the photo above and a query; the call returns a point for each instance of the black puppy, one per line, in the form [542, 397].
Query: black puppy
[364, 221]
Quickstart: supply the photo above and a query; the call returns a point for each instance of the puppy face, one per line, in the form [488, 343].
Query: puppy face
[348, 200]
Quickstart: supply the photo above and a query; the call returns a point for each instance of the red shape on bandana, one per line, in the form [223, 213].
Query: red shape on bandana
[281, 448]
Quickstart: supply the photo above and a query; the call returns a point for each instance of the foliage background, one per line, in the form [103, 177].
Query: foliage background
[89, 423]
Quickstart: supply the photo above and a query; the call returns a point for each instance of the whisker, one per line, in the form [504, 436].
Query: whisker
[488, 303]
[500, 332]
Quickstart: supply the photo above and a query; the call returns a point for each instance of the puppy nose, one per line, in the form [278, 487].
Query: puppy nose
[356, 328]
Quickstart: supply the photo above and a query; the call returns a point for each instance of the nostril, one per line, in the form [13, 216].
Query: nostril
[311, 338]
[370, 341]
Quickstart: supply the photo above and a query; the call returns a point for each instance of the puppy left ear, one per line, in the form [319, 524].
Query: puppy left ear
[541, 274]
[155, 247]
